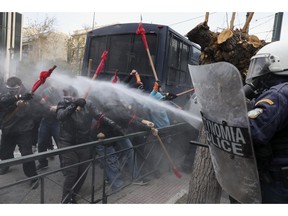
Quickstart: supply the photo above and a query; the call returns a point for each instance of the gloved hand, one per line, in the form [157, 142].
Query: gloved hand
[170, 96]
[117, 130]
[133, 72]
[157, 86]
[148, 123]
[26, 96]
[21, 103]
[80, 102]
[53, 108]
[154, 131]
[101, 136]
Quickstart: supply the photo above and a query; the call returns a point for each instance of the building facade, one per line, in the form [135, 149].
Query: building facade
[10, 43]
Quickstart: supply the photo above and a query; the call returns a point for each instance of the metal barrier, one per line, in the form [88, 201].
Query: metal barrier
[177, 129]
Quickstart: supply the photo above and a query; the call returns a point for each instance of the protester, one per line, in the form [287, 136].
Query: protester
[49, 125]
[158, 115]
[111, 163]
[19, 108]
[75, 116]
[137, 82]
[114, 109]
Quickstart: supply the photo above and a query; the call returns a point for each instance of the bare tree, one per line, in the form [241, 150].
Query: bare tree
[37, 34]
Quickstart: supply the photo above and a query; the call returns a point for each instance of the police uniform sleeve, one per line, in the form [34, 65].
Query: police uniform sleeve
[268, 116]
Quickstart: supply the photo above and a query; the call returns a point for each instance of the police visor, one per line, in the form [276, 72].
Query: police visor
[259, 65]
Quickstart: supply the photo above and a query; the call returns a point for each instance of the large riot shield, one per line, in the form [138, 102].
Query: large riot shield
[218, 88]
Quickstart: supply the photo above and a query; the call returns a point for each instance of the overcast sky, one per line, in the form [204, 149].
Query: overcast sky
[261, 24]
[181, 15]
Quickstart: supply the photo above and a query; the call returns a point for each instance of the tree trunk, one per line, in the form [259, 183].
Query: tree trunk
[203, 185]
[236, 47]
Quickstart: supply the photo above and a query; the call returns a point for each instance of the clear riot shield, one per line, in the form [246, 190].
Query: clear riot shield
[218, 87]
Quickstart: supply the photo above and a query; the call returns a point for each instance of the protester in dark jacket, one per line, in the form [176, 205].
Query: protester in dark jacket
[49, 125]
[19, 108]
[75, 116]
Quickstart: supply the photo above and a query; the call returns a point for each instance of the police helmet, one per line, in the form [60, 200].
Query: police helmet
[272, 58]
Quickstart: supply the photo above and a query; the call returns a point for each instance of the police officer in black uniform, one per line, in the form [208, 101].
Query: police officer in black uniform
[267, 85]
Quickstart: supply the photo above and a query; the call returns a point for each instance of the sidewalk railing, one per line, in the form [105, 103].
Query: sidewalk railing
[173, 130]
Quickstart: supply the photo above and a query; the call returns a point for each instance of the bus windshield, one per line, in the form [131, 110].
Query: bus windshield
[126, 51]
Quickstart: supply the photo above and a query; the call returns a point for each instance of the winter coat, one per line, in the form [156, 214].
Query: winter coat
[158, 116]
[124, 117]
[75, 125]
[18, 120]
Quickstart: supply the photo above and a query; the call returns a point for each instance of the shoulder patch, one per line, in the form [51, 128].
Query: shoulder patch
[255, 113]
[270, 102]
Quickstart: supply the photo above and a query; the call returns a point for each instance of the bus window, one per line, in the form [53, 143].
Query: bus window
[119, 52]
[196, 52]
[125, 52]
[141, 60]
[178, 63]
[96, 48]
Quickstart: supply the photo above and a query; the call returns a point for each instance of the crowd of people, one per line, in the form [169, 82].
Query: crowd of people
[63, 118]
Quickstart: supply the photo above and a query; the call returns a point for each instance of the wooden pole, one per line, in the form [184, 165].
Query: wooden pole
[206, 17]
[248, 20]
[232, 21]
[89, 67]
[175, 170]
[185, 92]
[152, 64]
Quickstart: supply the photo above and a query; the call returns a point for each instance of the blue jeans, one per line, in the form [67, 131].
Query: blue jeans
[112, 166]
[47, 130]
[128, 156]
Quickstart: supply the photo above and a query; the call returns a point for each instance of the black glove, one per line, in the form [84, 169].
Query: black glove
[80, 102]
[26, 96]
[170, 96]
[117, 130]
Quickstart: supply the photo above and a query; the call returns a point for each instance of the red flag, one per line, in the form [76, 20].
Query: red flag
[101, 64]
[42, 78]
[98, 71]
[115, 77]
[141, 30]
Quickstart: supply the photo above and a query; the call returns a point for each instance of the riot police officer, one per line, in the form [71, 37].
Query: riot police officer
[267, 85]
